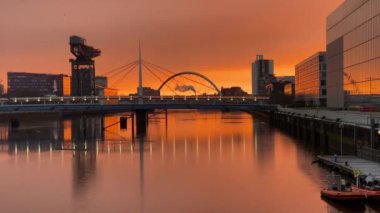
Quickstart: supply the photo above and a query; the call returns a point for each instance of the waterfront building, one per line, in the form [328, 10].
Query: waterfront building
[310, 85]
[233, 91]
[289, 89]
[37, 84]
[275, 89]
[353, 54]
[285, 78]
[277, 85]
[1, 89]
[101, 81]
[147, 91]
[262, 73]
[102, 89]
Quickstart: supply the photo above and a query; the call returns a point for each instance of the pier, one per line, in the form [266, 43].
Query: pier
[353, 163]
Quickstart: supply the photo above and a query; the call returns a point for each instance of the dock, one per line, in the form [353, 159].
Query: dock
[353, 163]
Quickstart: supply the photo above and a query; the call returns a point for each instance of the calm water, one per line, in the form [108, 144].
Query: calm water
[203, 162]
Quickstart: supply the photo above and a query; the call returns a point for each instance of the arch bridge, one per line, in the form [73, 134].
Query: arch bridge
[190, 73]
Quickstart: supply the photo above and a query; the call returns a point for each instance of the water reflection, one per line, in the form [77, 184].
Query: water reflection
[203, 162]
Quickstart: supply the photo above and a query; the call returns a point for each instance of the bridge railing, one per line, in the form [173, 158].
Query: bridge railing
[133, 100]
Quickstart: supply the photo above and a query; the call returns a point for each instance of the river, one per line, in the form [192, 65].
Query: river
[197, 161]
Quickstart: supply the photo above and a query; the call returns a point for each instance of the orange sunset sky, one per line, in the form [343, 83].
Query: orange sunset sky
[218, 38]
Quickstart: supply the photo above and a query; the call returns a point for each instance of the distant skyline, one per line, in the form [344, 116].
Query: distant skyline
[219, 39]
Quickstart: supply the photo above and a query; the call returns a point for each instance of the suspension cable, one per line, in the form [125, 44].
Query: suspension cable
[125, 74]
[122, 70]
[118, 68]
[181, 76]
[164, 73]
[155, 75]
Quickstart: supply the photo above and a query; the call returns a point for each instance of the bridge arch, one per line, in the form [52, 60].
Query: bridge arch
[190, 73]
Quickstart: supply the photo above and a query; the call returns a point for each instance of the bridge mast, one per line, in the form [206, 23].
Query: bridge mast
[140, 93]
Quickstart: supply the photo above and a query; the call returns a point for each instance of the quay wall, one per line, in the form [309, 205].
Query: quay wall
[329, 134]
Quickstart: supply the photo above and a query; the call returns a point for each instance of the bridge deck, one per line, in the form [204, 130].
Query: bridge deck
[128, 103]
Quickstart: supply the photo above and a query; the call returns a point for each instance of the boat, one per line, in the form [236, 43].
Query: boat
[354, 194]
[370, 194]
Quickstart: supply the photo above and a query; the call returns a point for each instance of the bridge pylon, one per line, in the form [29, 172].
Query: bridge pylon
[140, 93]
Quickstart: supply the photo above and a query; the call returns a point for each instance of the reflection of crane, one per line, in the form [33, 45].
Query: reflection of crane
[353, 82]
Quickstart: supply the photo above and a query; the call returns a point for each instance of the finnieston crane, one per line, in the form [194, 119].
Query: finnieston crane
[81, 50]
[82, 67]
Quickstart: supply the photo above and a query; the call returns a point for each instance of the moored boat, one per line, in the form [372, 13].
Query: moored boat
[369, 193]
[352, 195]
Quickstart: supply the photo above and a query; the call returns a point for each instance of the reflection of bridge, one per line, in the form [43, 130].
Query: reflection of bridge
[140, 105]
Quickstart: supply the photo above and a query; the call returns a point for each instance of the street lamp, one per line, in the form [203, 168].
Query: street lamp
[341, 126]
[370, 112]
[341, 139]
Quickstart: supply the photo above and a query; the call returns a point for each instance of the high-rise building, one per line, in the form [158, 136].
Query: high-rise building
[82, 67]
[1, 89]
[262, 73]
[353, 54]
[37, 84]
[310, 85]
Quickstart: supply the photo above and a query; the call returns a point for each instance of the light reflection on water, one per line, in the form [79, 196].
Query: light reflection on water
[203, 162]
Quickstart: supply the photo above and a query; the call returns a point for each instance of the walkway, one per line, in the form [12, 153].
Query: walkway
[364, 166]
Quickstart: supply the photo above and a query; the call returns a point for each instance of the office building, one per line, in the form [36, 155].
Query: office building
[101, 81]
[101, 87]
[262, 73]
[1, 89]
[353, 54]
[37, 84]
[310, 80]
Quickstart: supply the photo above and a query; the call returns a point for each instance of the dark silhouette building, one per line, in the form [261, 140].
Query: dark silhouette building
[148, 91]
[278, 90]
[82, 67]
[233, 91]
[1, 89]
[37, 84]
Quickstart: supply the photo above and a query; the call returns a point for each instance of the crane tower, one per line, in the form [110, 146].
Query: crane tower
[82, 67]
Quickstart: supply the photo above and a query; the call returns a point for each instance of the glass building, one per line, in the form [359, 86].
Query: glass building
[353, 54]
[311, 80]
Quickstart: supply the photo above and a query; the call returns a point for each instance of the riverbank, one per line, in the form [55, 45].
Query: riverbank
[342, 132]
